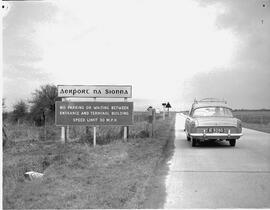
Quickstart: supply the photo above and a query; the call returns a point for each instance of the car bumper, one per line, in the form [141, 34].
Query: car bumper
[216, 135]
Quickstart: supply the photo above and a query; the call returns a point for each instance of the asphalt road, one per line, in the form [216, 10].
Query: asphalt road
[217, 175]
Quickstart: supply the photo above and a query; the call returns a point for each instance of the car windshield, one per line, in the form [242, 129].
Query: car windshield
[212, 112]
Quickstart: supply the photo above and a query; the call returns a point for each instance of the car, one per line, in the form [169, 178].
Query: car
[211, 119]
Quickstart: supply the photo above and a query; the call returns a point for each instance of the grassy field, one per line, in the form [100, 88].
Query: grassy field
[254, 119]
[114, 174]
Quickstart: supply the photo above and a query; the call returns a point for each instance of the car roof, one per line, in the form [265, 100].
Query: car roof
[209, 102]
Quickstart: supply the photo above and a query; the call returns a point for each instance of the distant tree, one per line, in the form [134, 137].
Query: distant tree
[43, 103]
[4, 112]
[20, 111]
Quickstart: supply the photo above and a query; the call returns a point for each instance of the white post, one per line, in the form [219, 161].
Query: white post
[125, 127]
[63, 132]
[125, 132]
[94, 132]
[63, 135]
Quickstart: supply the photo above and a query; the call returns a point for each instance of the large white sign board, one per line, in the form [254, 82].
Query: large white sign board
[95, 91]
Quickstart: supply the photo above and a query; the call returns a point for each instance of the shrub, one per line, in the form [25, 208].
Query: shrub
[19, 111]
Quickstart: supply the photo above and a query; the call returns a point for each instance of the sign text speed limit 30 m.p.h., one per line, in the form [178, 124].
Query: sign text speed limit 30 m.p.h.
[93, 113]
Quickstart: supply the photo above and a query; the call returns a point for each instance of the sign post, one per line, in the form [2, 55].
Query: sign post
[125, 133]
[63, 133]
[164, 105]
[168, 106]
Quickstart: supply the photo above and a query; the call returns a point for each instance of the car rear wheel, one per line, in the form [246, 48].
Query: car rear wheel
[193, 142]
[232, 142]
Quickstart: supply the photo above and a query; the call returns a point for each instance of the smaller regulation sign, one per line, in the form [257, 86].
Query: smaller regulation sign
[93, 113]
[95, 91]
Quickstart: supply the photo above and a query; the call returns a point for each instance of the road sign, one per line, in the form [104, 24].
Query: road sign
[95, 91]
[93, 113]
[168, 105]
[149, 109]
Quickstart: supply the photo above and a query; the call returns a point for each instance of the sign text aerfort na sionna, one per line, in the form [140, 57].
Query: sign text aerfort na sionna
[96, 91]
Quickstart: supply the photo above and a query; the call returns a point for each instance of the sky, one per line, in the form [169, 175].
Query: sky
[169, 51]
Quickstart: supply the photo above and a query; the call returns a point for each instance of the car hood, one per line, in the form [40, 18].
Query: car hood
[216, 121]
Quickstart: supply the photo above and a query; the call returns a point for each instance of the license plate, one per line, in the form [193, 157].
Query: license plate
[215, 130]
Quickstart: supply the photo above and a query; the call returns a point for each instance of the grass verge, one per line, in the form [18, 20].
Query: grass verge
[76, 175]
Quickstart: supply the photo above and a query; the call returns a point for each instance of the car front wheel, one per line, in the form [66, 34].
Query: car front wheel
[232, 142]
